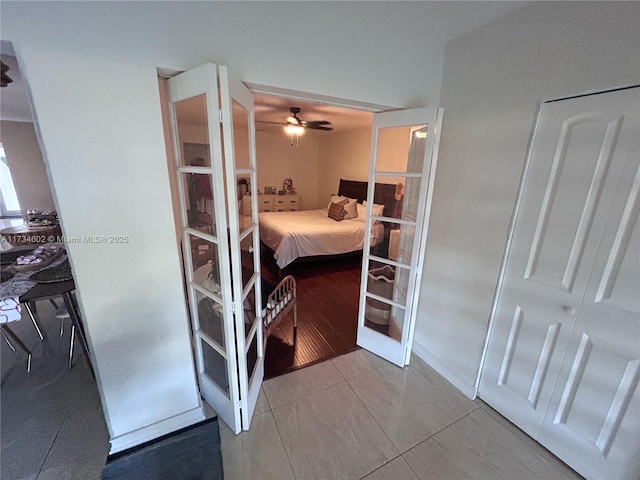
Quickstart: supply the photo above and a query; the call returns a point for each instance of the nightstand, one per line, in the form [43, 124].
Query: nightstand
[394, 242]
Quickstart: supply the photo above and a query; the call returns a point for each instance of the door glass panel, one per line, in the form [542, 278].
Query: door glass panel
[240, 135]
[198, 201]
[400, 196]
[401, 149]
[245, 195]
[249, 306]
[252, 357]
[397, 244]
[382, 316]
[386, 281]
[210, 317]
[247, 259]
[215, 366]
[193, 133]
[206, 266]
[393, 149]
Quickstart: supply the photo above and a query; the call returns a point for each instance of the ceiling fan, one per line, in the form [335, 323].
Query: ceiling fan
[294, 125]
[294, 120]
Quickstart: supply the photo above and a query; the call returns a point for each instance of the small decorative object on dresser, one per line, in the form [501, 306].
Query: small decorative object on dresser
[287, 186]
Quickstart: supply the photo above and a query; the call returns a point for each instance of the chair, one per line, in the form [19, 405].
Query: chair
[279, 303]
[63, 314]
[6, 333]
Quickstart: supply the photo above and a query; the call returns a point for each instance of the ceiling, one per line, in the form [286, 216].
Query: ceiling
[276, 111]
[442, 23]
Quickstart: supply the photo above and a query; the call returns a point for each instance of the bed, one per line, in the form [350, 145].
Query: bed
[312, 234]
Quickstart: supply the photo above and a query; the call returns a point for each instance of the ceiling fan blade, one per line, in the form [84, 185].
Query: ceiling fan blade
[318, 127]
[272, 123]
[316, 123]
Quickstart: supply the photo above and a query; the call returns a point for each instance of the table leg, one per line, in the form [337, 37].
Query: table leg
[31, 313]
[75, 321]
[14, 337]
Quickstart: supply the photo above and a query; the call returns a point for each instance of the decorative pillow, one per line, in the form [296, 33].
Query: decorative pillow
[362, 213]
[378, 210]
[338, 200]
[336, 212]
[351, 209]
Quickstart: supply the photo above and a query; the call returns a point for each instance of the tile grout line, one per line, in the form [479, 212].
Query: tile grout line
[427, 438]
[379, 426]
[51, 446]
[309, 394]
[284, 447]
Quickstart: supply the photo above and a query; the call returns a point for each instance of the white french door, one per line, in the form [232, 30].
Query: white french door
[392, 268]
[213, 134]
[563, 357]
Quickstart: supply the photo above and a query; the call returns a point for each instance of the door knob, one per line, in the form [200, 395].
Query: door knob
[569, 310]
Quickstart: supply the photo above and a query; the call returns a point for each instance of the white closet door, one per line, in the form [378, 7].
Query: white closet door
[594, 416]
[579, 154]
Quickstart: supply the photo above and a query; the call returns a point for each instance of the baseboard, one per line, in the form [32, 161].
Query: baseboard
[452, 377]
[145, 434]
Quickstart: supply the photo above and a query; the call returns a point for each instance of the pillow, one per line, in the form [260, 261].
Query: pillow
[351, 210]
[336, 212]
[362, 212]
[337, 200]
[378, 210]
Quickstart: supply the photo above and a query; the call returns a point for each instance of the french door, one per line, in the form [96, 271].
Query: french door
[403, 153]
[212, 122]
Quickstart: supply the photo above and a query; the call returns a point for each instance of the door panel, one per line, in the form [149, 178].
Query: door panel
[241, 179]
[547, 367]
[404, 154]
[594, 415]
[212, 130]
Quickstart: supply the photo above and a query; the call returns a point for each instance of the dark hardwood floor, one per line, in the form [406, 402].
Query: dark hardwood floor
[328, 293]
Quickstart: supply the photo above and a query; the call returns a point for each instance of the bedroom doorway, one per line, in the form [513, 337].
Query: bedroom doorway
[223, 110]
[328, 286]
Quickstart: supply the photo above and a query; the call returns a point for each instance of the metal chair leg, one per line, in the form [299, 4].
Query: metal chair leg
[6, 339]
[6, 330]
[33, 319]
[73, 337]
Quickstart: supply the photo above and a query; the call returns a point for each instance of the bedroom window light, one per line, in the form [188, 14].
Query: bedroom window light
[9, 205]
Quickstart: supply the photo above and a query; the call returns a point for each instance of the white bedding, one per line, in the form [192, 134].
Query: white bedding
[310, 232]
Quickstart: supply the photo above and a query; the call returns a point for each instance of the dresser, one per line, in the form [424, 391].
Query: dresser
[272, 203]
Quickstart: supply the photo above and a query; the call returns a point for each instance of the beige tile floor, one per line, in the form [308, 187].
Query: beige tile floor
[360, 417]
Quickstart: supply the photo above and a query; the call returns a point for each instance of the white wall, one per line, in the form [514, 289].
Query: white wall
[27, 168]
[492, 82]
[347, 154]
[278, 160]
[91, 68]
[343, 155]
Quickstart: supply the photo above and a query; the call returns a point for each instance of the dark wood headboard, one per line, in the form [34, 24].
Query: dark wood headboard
[384, 193]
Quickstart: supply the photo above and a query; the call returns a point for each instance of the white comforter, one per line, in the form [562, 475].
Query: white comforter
[310, 232]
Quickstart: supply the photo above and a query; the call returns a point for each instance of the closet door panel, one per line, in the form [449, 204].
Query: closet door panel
[594, 414]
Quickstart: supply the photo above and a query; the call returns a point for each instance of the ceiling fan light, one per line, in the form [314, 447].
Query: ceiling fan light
[294, 129]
